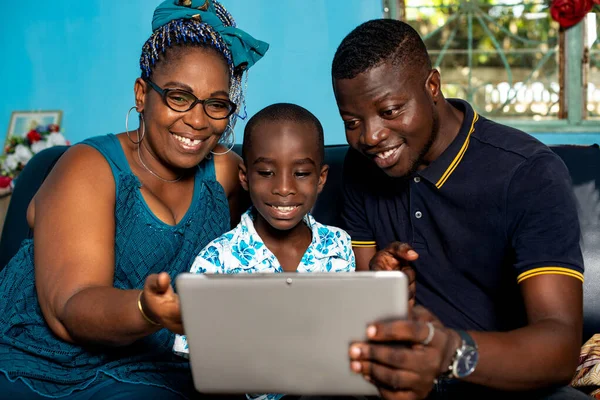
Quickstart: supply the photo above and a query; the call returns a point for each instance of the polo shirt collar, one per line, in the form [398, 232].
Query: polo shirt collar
[441, 169]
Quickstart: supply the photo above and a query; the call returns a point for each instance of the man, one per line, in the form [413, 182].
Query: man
[483, 213]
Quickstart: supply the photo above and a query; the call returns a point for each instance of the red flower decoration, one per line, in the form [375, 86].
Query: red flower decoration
[569, 12]
[33, 136]
[56, 128]
[5, 182]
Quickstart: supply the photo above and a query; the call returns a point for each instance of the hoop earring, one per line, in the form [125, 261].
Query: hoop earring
[142, 123]
[231, 131]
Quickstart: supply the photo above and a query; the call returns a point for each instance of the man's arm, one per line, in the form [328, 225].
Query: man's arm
[363, 256]
[354, 212]
[543, 353]
[543, 228]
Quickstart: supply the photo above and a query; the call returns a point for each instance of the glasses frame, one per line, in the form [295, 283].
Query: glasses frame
[164, 92]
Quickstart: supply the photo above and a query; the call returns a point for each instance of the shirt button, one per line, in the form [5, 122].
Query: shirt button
[417, 179]
[418, 214]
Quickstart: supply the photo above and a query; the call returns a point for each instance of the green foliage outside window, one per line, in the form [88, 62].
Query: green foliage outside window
[504, 57]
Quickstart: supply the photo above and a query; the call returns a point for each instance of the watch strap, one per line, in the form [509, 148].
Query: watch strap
[466, 338]
[466, 341]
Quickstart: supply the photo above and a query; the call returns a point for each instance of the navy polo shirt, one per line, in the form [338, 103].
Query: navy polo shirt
[494, 209]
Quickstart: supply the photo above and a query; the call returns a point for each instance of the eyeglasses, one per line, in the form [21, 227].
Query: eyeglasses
[182, 101]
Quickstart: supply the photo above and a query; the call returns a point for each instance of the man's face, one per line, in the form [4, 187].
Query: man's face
[390, 116]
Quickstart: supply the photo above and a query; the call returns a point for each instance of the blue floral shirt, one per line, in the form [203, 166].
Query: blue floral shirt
[241, 250]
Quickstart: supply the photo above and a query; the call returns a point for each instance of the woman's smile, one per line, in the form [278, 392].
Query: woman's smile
[188, 145]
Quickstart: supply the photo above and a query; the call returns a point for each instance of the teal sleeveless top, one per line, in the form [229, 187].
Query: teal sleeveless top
[143, 245]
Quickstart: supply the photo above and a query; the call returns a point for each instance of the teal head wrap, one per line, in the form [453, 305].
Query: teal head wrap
[245, 50]
[205, 22]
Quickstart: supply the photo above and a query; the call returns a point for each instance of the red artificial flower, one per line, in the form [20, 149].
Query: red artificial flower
[569, 12]
[5, 182]
[56, 128]
[33, 136]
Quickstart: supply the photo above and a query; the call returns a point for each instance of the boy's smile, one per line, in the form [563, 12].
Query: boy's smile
[284, 211]
[283, 174]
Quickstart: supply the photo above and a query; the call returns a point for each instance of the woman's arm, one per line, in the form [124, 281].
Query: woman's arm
[226, 168]
[74, 233]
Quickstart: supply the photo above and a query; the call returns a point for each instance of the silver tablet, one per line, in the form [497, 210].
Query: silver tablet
[284, 333]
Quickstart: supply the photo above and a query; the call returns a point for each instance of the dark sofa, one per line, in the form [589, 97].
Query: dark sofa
[583, 163]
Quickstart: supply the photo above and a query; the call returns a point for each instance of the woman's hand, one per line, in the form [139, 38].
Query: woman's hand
[397, 256]
[160, 302]
[397, 361]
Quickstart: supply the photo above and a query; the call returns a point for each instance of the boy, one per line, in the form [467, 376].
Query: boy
[283, 172]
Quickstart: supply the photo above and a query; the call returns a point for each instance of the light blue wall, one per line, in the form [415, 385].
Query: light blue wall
[82, 57]
[569, 138]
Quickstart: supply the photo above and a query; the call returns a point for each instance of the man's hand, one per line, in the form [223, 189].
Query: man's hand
[397, 256]
[396, 360]
[160, 302]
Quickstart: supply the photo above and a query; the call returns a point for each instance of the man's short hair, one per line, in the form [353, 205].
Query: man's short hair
[376, 42]
[283, 112]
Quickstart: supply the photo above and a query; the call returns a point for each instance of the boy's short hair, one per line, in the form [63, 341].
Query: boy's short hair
[283, 112]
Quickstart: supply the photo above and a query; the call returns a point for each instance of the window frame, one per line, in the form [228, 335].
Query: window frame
[574, 56]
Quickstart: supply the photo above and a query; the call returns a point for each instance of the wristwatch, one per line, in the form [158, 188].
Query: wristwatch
[465, 358]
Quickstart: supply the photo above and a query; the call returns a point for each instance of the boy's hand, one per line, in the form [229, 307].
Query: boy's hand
[397, 256]
[160, 302]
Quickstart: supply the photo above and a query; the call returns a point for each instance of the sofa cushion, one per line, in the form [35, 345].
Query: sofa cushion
[583, 163]
[15, 228]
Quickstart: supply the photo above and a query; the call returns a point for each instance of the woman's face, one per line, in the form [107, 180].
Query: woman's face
[183, 139]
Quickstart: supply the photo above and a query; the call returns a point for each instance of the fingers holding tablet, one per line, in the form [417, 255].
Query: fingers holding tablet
[404, 358]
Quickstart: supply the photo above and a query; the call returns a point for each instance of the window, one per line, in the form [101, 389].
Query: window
[509, 59]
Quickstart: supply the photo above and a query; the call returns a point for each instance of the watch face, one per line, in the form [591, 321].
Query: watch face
[466, 363]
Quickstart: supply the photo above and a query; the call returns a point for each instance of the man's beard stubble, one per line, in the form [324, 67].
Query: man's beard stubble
[435, 129]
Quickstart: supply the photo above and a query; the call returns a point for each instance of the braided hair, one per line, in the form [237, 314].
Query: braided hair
[376, 42]
[193, 32]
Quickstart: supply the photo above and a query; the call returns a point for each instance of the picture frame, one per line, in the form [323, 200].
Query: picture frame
[22, 122]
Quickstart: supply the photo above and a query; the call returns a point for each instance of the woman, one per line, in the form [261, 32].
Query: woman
[84, 307]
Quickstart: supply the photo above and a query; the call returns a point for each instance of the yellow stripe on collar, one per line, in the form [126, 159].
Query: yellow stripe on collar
[459, 156]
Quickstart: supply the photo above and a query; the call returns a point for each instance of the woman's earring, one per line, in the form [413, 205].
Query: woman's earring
[142, 125]
[231, 133]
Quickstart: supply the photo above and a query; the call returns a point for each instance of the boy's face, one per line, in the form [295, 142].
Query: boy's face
[283, 172]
